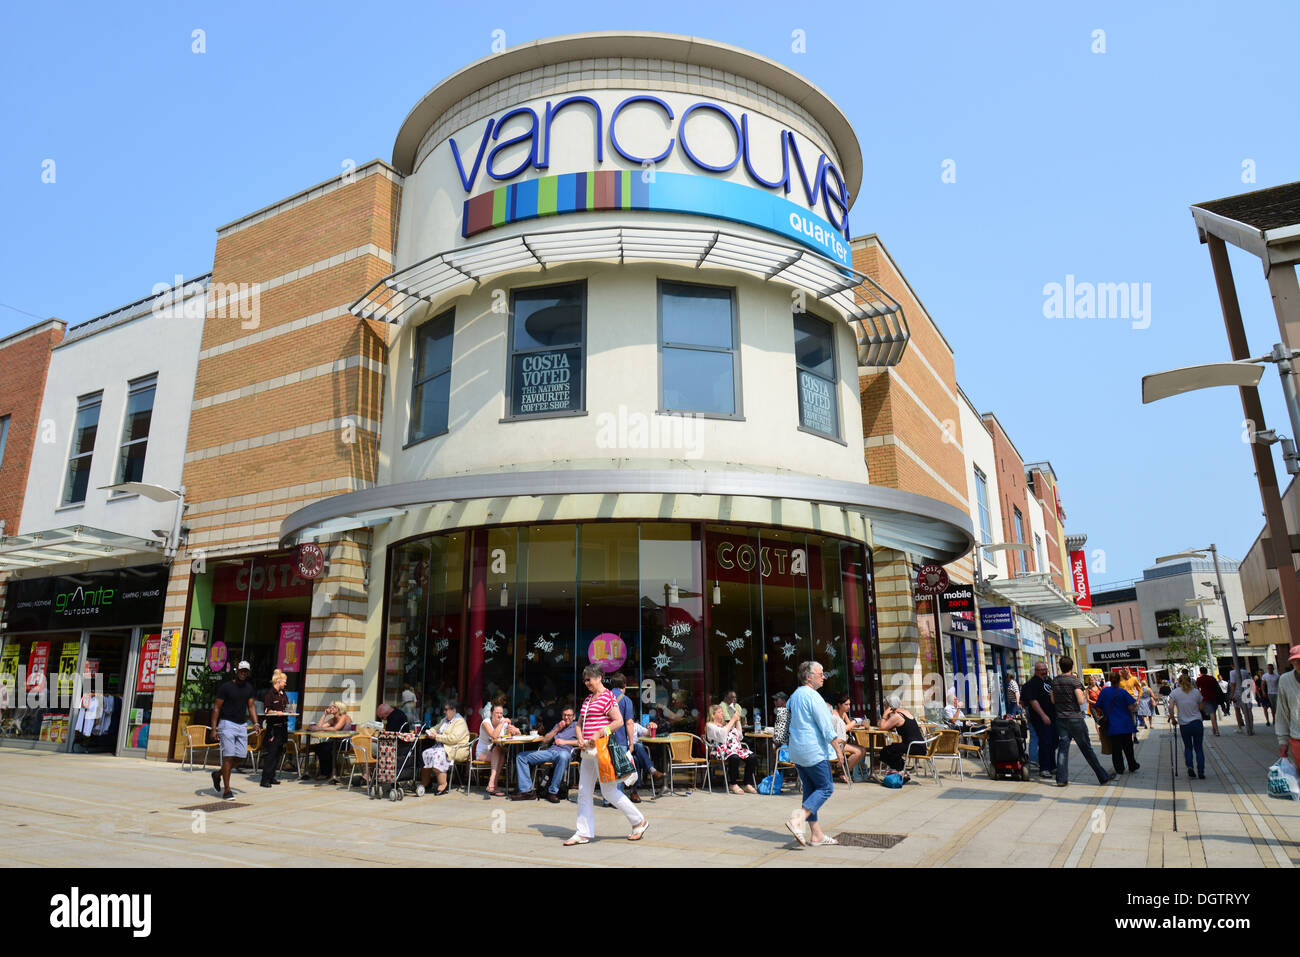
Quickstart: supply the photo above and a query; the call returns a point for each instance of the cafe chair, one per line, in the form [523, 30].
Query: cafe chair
[254, 748]
[948, 748]
[783, 763]
[362, 756]
[973, 744]
[711, 759]
[196, 737]
[923, 750]
[293, 747]
[684, 759]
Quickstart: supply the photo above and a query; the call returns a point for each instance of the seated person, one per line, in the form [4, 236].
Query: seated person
[452, 737]
[851, 754]
[393, 719]
[953, 714]
[724, 737]
[336, 719]
[490, 732]
[897, 718]
[557, 747]
[729, 707]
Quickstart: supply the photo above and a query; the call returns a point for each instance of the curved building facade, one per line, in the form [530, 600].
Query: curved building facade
[621, 414]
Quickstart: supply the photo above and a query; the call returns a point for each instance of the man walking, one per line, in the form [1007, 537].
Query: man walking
[1037, 696]
[1286, 710]
[1270, 679]
[811, 734]
[557, 746]
[234, 700]
[1242, 688]
[1070, 701]
[1209, 689]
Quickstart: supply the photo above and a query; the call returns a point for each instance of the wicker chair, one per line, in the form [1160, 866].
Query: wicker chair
[923, 750]
[684, 759]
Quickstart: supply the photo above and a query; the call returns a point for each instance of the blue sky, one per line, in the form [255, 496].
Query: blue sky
[1067, 163]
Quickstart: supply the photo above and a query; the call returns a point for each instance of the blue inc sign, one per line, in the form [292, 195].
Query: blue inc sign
[824, 187]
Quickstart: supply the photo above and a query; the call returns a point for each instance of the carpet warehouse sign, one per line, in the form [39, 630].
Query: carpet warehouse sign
[528, 147]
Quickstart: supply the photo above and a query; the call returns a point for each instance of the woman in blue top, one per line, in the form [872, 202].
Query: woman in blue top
[1119, 707]
[811, 734]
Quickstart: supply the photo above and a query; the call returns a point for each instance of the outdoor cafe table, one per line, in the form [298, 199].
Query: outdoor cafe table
[874, 740]
[304, 744]
[517, 740]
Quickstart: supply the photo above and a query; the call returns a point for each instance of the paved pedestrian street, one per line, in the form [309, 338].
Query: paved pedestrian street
[76, 810]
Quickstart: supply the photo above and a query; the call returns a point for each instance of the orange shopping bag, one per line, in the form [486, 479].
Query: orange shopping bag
[603, 760]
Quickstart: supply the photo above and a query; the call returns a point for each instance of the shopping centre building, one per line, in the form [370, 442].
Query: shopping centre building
[592, 372]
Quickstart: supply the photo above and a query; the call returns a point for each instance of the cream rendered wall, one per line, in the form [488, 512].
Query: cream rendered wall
[622, 387]
[977, 443]
[165, 342]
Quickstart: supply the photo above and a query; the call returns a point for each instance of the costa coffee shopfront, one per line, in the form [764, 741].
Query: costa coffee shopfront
[79, 657]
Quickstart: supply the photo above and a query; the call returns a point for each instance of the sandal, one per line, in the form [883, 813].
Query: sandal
[797, 831]
[639, 830]
[442, 792]
[577, 840]
[823, 842]
[498, 793]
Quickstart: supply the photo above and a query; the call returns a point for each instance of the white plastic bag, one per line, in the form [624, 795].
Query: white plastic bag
[1282, 780]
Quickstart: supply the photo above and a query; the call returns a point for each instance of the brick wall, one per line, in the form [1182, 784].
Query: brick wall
[24, 362]
[287, 405]
[1012, 491]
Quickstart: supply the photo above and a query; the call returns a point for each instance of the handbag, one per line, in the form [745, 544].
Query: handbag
[603, 761]
[781, 730]
[621, 760]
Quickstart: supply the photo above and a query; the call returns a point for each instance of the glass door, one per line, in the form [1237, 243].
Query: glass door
[142, 669]
[106, 684]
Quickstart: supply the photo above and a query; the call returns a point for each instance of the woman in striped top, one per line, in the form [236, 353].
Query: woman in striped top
[597, 719]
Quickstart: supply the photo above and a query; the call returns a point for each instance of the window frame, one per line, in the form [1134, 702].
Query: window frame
[509, 415]
[95, 398]
[984, 512]
[418, 383]
[738, 392]
[1018, 519]
[4, 436]
[834, 382]
[134, 386]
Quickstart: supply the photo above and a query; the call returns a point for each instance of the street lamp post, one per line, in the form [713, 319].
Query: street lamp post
[1220, 593]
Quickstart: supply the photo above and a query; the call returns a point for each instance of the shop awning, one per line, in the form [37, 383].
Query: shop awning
[901, 520]
[348, 523]
[64, 546]
[876, 316]
[1037, 596]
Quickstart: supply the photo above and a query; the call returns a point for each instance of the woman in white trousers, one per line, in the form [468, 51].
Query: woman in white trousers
[598, 718]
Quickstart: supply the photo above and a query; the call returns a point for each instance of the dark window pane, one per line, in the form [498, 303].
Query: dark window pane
[817, 406]
[433, 347]
[78, 480]
[697, 381]
[429, 406]
[87, 426]
[547, 317]
[546, 382]
[813, 348]
[131, 464]
[696, 315]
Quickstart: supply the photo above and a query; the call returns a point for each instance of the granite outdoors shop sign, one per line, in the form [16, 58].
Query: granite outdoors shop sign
[104, 599]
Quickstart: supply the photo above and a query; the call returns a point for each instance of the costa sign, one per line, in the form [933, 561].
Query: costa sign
[821, 185]
[932, 580]
[1079, 572]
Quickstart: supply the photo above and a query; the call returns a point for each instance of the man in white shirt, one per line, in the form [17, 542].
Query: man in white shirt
[1269, 692]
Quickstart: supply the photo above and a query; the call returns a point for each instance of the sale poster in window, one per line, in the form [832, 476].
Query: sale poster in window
[38, 662]
[290, 657]
[150, 650]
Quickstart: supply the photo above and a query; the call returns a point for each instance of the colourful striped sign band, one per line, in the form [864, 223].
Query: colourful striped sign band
[654, 192]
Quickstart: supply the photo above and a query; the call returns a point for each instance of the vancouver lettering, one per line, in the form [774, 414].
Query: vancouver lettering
[823, 185]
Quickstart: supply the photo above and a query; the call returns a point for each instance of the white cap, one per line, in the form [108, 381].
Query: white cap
[244, 666]
[408, 695]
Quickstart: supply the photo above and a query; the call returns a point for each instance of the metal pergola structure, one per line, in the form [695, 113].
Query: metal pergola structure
[1266, 224]
[881, 328]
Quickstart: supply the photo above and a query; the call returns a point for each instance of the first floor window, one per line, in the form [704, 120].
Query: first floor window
[431, 379]
[548, 326]
[135, 428]
[4, 434]
[814, 359]
[83, 448]
[699, 349]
